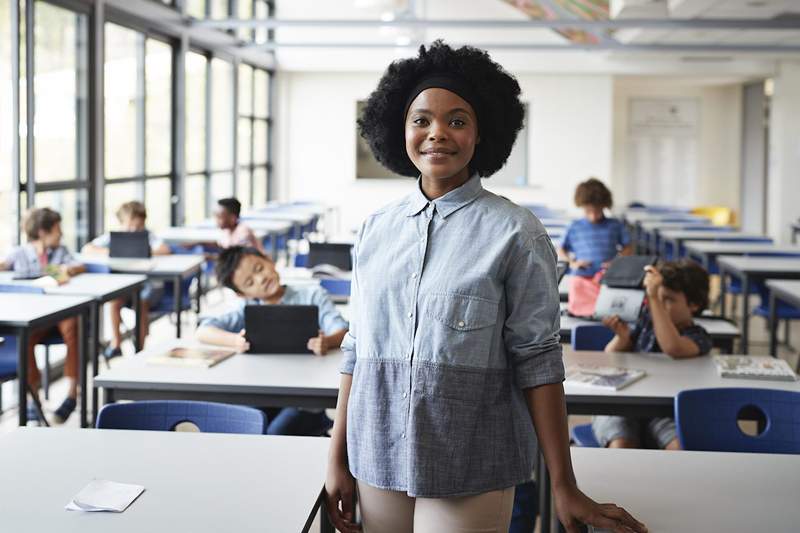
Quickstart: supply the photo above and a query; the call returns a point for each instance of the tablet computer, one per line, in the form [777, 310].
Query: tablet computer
[129, 244]
[280, 328]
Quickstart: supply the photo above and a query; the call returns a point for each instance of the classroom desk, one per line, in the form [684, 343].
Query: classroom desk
[780, 291]
[677, 238]
[549, 222]
[174, 268]
[723, 333]
[648, 233]
[753, 270]
[273, 380]
[706, 252]
[183, 236]
[297, 219]
[22, 312]
[199, 482]
[694, 491]
[273, 228]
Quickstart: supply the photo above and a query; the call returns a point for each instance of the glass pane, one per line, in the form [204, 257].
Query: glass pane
[7, 202]
[245, 141]
[23, 102]
[243, 187]
[158, 102]
[196, 8]
[60, 59]
[259, 186]
[71, 204]
[245, 8]
[245, 90]
[116, 195]
[261, 13]
[195, 112]
[196, 201]
[124, 99]
[260, 92]
[219, 9]
[260, 141]
[221, 126]
[221, 185]
[157, 196]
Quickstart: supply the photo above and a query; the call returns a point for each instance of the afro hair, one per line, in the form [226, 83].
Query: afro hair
[498, 108]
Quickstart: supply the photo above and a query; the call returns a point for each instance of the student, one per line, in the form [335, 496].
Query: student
[252, 276]
[132, 217]
[590, 243]
[235, 232]
[676, 292]
[44, 254]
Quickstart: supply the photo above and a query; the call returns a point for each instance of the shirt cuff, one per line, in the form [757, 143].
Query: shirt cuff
[349, 349]
[541, 368]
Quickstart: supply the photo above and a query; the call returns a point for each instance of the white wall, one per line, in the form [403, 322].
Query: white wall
[570, 139]
[717, 161]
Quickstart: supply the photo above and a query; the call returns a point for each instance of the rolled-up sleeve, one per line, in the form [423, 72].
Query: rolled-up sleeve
[531, 330]
[349, 342]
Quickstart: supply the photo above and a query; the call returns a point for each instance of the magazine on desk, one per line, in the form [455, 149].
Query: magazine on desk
[191, 357]
[761, 367]
[603, 377]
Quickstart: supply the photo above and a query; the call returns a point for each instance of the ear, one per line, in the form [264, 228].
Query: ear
[694, 308]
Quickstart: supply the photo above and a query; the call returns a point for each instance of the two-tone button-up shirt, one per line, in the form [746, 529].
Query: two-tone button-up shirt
[455, 311]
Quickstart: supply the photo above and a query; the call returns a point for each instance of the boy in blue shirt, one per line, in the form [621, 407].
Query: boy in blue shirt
[252, 276]
[676, 292]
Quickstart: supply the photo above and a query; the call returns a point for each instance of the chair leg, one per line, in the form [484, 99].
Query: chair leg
[37, 404]
[786, 329]
[46, 376]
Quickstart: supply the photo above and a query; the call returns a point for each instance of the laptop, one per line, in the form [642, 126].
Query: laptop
[280, 328]
[327, 253]
[135, 244]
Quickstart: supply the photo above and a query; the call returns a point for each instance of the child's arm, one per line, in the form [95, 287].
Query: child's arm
[626, 250]
[322, 343]
[622, 341]
[93, 249]
[161, 249]
[220, 337]
[669, 338]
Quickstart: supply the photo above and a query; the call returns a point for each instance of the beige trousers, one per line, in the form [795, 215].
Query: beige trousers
[386, 511]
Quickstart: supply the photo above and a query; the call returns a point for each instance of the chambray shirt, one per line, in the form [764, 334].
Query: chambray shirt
[454, 312]
[24, 260]
[595, 242]
[330, 320]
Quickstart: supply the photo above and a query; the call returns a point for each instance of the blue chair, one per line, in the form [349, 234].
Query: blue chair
[584, 437]
[166, 415]
[8, 372]
[300, 260]
[592, 337]
[707, 420]
[336, 287]
[97, 268]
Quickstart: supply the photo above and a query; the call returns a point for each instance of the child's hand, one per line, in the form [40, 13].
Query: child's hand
[618, 326]
[318, 344]
[62, 275]
[652, 281]
[241, 344]
[577, 264]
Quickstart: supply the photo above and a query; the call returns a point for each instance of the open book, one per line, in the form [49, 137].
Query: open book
[602, 377]
[754, 367]
[191, 357]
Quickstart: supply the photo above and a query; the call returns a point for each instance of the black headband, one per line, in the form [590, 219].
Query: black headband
[444, 81]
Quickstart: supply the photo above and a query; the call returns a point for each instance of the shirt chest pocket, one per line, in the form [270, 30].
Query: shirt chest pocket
[459, 329]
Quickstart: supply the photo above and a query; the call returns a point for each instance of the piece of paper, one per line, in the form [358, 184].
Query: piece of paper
[102, 495]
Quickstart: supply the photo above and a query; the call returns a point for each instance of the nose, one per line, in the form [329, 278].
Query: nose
[437, 132]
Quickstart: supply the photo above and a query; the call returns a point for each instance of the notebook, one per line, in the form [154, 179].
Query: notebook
[602, 377]
[129, 244]
[760, 367]
[326, 253]
[191, 357]
[280, 328]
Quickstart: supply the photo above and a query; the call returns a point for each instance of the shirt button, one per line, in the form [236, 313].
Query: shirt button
[404, 435]
[414, 275]
[461, 323]
[410, 315]
[405, 394]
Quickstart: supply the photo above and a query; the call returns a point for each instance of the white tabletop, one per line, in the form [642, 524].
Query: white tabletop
[786, 289]
[714, 327]
[555, 222]
[695, 491]
[159, 265]
[655, 217]
[23, 309]
[97, 286]
[665, 378]
[722, 248]
[293, 374]
[767, 265]
[707, 235]
[661, 226]
[193, 482]
[182, 235]
[261, 224]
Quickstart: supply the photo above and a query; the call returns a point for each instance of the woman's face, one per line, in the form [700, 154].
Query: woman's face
[441, 133]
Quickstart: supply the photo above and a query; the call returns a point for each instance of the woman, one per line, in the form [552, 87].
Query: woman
[453, 348]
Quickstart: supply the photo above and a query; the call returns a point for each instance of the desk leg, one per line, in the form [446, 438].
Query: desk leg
[83, 348]
[199, 291]
[94, 341]
[176, 293]
[773, 324]
[745, 312]
[543, 485]
[22, 374]
[722, 292]
[136, 302]
[325, 525]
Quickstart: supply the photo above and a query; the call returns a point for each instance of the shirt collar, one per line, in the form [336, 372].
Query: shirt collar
[450, 202]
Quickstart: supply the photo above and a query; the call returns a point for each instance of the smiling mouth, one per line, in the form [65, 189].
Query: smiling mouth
[437, 152]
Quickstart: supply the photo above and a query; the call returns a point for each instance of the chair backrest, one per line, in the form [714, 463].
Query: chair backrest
[336, 287]
[166, 415]
[97, 268]
[21, 288]
[707, 420]
[591, 337]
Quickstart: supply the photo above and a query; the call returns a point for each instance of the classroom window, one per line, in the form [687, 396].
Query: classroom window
[195, 199]
[7, 201]
[115, 195]
[196, 8]
[221, 127]
[196, 81]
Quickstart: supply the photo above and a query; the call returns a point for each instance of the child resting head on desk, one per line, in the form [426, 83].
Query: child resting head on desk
[677, 291]
[252, 276]
[44, 254]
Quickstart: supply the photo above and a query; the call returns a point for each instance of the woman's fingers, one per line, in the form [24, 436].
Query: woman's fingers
[622, 516]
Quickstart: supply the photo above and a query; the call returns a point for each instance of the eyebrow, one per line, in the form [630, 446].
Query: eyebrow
[429, 112]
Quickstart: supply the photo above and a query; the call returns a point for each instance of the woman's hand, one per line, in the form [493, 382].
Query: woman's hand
[575, 508]
[340, 487]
